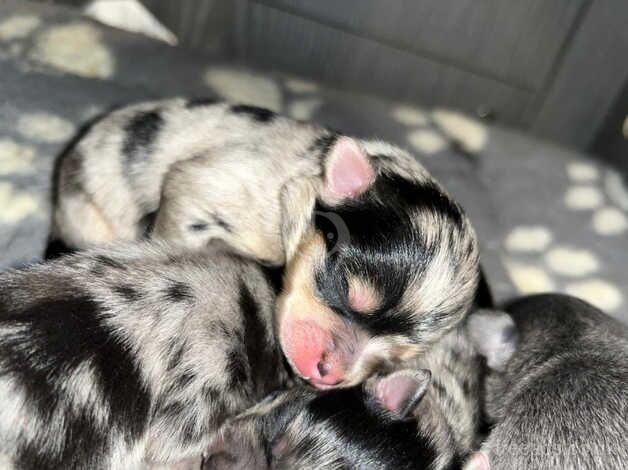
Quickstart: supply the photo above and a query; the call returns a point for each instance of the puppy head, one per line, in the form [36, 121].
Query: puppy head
[360, 427]
[387, 265]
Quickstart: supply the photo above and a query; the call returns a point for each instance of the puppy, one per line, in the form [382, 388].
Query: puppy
[135, 354]
[381, 262]
[557, 386]
[399, 420]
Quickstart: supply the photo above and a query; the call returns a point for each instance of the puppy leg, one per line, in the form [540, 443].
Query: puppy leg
[81, 223]
[206, 198]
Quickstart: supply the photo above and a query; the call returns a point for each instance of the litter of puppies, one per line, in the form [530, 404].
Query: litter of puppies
[165, 342]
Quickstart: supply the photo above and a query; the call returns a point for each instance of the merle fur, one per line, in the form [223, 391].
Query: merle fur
[349, 428]
[78, 388]
[140, 132]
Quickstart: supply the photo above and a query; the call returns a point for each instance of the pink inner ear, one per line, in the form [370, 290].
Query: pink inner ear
[349, 172]
[478, 461]
[393, 392]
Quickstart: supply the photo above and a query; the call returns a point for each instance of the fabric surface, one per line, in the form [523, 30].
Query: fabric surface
[549, 219]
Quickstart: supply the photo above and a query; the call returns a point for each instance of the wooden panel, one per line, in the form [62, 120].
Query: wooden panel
[280, 40]
[512, 41]
[589, 78]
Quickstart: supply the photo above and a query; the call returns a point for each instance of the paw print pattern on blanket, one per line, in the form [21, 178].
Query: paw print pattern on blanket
[75, 48]
[437, 130]
[233, 84]
[537, 262]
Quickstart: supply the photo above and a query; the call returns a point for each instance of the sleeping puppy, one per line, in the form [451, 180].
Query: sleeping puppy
[381, 262]
[109, 359]
[557, 388]
[408, 419]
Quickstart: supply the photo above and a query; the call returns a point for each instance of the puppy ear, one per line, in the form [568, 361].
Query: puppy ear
[348, 171]
[494, 335]
[477, 461]
[400, 392]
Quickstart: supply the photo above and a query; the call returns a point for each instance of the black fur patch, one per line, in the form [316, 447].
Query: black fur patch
[127, 292]
[237, 368]
[466, 387]
[140, 133]
[88, 448]
[184, 379]
[382, 246]
[53, 338]
[255, 339]
[274, 276]
[171, 410]
[256, 113]
[199, 102]
[215, 219]
[57, 248]
[440, 389]
[324, 143]
[178, 291]
[368, 439]
[146, 224]
[276, 421]
[198, 226]
[456, 462]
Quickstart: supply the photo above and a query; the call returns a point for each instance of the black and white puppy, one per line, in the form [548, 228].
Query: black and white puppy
[557, 390]
[381, 262]
[407, 419]
[135, 354]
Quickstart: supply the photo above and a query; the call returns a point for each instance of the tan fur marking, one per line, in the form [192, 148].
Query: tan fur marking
[363, 297]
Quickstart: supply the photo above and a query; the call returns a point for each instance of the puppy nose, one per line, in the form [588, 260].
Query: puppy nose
[311, 350]
[323, 368]
[329, 374]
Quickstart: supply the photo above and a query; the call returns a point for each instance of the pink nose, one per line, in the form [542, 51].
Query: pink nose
[319, 370]
[311, 350]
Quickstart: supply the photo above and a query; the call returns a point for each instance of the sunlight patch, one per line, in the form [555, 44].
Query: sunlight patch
[74, 48]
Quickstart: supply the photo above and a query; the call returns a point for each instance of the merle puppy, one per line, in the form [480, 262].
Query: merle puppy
[557, 390]
[408, 419]
[381, 262]
[110, 359]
